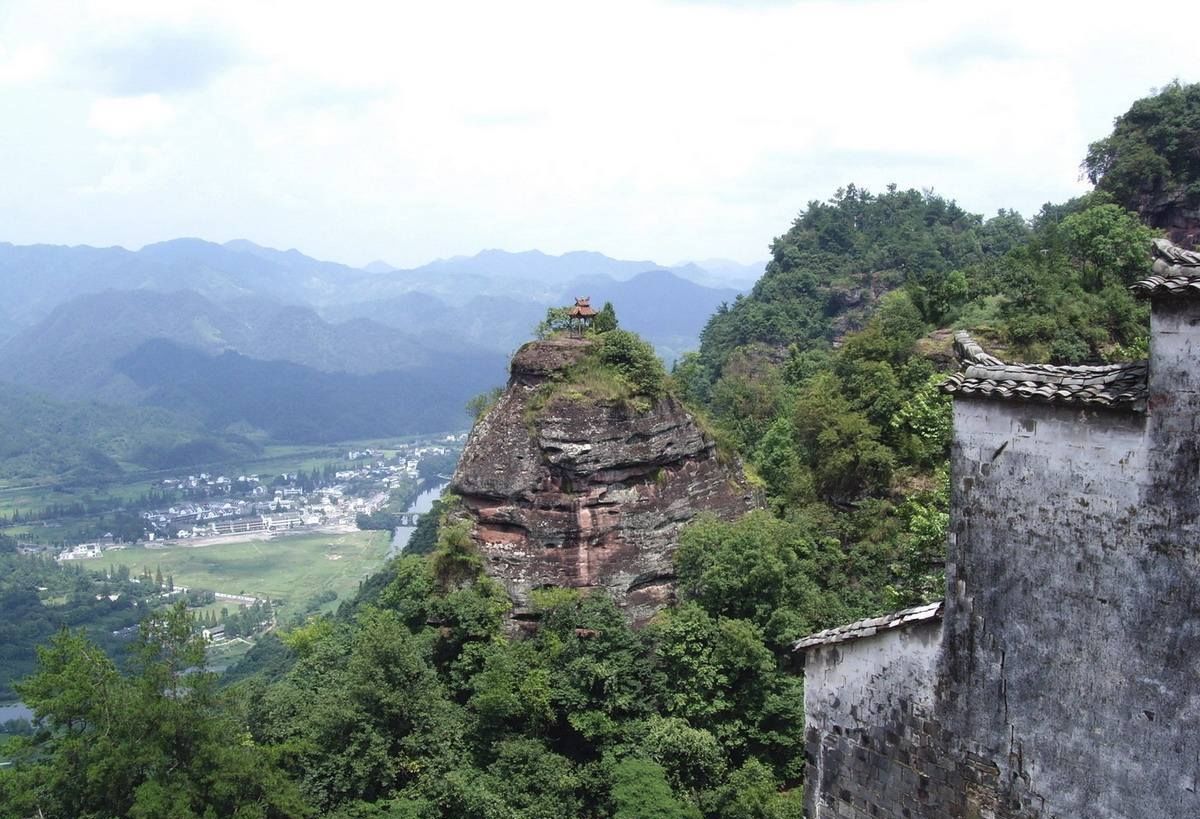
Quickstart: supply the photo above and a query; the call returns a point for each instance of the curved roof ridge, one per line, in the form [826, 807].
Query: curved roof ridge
[1176, 272]
[968, 350]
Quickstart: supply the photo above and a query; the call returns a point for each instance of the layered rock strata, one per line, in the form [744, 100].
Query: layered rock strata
[585, 494]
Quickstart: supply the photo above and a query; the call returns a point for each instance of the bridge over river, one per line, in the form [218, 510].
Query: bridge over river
[406, 520]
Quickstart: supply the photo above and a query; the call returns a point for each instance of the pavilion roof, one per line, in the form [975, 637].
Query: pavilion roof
[583, 308]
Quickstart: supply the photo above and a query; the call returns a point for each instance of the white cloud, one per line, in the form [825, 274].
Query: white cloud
[134, 169]
[23, 65]
[121, 117]
[658, 130]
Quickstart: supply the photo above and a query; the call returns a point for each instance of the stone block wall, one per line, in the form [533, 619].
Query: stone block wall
[1044, 588]
[867, 703]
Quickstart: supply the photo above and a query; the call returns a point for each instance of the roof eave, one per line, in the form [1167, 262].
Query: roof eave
[871, 626]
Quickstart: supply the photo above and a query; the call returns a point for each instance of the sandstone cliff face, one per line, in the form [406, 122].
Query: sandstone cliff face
[588, 495]
[1175, 215]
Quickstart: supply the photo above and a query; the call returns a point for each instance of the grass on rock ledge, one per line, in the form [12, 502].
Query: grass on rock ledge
[619, 368]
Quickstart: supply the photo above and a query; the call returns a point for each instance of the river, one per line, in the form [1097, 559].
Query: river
[14, 711]
[422, 504]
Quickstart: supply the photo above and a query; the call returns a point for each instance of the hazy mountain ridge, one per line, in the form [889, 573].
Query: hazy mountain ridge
[305, 349]
[295, 403]
[39, 277]
[70, 353]
[665, 308]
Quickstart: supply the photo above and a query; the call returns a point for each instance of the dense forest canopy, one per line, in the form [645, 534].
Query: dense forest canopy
[412, 701]
[1153, 152]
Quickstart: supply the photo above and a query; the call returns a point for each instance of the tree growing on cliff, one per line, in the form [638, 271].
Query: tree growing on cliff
[635, 361]
[1153, 152]
[479, 405]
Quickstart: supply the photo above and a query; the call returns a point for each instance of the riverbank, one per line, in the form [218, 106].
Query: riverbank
[421, 504]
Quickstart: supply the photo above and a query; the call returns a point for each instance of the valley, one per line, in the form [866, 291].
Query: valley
[195, 419]
[885, 520]
[293, 533]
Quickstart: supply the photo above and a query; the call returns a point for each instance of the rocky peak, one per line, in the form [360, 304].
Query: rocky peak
[574, 492]
[539, 360]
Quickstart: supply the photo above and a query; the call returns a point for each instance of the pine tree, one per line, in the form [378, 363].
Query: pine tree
[606, 320]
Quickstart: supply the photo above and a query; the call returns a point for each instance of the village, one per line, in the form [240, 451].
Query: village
[210, 508]
[312, 511]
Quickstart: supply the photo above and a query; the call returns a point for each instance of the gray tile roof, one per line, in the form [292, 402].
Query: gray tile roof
[1112, 386]
[1176, 272]
[872, 625]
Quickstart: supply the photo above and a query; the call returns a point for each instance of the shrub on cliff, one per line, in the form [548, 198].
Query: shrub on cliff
[606, 320]
[635, 361]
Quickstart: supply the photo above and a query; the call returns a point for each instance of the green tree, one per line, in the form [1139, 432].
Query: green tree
[605, 320]
[557, 320]
[641, 791]
[751, 792]
[479, 405]
[1108, 245]
[537, 783]
[925, 418]
[155, 745]
[841, 446]
[456, 560]
[692, 757]
[770, 572]
[635, 361]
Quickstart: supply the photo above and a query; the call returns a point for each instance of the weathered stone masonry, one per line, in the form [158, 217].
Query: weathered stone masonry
[1063, 678]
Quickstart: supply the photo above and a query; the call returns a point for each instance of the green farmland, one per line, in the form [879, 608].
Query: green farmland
[293, 568]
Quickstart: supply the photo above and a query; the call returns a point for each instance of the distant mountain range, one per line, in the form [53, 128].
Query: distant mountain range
[242, 338]
[39, 277]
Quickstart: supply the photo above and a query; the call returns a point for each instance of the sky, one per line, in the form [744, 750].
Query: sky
[666, 130]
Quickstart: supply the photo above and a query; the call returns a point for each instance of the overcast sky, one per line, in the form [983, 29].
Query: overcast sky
[650, 130]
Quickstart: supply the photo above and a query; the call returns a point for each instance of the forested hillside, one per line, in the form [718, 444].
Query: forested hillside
[295, 403]
[1151, 161]
[85, 443]
[107, 608]
[414, 702]
[825, 377]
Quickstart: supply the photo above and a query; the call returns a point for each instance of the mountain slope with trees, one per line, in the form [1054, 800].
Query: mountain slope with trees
[86, 443]
[1151, 161]
[412, 702]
